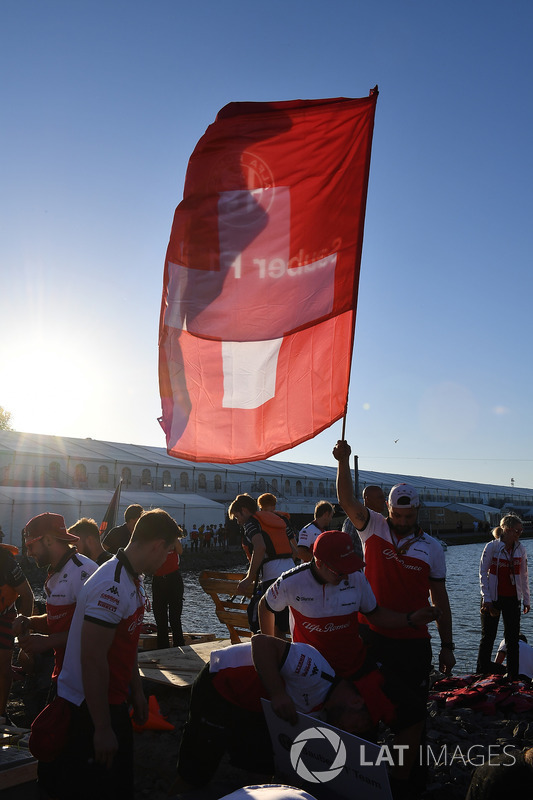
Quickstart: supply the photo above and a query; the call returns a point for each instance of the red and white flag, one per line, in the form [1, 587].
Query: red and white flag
[261, 276]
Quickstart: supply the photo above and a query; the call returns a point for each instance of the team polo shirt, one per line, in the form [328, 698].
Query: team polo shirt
[62, 589]
[325, 616]
[307, 676]
[308, 535]
[114, 598]
[400, 580]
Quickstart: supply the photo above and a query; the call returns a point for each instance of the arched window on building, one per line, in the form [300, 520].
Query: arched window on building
[218, 482]
[53, 471]
[80, 473]
[262, 484]
[310, 489]
[103, 475]
[321, 489]
[202, 481]
[146, 479]
[298, 487]
[274, 484]
[184, 480]
[287, 487]
[332, 492]
[126, 476]
[167, 480]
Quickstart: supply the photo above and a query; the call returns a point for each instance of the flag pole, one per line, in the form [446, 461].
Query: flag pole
[373, 92]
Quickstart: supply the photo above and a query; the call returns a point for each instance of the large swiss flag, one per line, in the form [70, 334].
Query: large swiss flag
[261, 275]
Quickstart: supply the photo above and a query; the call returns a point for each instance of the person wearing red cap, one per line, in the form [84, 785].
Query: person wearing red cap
[50, 544]
[324, 598]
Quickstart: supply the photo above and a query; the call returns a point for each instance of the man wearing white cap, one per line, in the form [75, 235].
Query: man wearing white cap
[50, 544]
[404, 566]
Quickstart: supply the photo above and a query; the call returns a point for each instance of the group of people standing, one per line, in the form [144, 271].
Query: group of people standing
[341, 619]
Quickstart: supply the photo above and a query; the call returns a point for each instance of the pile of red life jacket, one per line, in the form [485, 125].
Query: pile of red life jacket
[484, 695]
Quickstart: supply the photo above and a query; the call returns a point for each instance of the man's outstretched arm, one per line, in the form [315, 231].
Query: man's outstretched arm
[352, 507]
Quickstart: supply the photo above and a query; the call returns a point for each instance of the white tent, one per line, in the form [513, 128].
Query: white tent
[18, 504]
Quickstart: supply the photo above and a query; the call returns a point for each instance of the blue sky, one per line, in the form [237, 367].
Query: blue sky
[103, 104]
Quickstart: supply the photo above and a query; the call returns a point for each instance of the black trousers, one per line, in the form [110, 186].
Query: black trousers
[167, 605]
[215, 727]
[75, 774]
[509, 607]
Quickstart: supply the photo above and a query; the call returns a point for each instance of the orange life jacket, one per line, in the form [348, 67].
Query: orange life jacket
[274, 534]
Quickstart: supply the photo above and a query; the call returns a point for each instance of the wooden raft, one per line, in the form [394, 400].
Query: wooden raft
[17, 765]
[222, 588]
[177, 666]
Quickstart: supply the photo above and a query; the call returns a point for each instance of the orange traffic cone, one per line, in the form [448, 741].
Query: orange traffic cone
[156, 721]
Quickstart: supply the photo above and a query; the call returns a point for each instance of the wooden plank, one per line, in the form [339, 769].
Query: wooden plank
[16, 766]
[178, 666]
[148, 641]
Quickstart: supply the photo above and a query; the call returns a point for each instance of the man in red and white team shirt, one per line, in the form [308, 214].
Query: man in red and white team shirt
[325, 598]
[100, 674]
[50, 544]
[403, 566]
[226, 715]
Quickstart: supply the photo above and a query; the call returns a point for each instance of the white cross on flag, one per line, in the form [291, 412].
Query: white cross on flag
[261, 275]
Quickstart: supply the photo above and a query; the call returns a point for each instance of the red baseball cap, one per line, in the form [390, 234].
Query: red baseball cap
[335, 549]
[54, 524]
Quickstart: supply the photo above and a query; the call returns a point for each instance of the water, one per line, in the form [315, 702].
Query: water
[462, 563]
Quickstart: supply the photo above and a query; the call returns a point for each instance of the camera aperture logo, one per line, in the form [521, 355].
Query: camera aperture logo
[298, 751]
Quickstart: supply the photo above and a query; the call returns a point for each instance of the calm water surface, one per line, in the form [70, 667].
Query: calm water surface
[463, 588]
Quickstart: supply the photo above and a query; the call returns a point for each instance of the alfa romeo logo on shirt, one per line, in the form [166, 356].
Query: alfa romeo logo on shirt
[298, 755]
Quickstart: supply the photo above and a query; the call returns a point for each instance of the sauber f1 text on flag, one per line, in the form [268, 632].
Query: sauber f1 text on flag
[261, 275]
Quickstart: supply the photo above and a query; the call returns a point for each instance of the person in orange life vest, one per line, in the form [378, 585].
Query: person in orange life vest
[15, 591]
[268, 502]
[50, 544]
[90, 544]
[324, 512]
[270, 554]
[167, 599]
[504, 582]
[403, 566]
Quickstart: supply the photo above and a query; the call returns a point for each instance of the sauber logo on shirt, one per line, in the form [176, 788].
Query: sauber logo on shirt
[304, 599]
[327, 628]
[390, 554]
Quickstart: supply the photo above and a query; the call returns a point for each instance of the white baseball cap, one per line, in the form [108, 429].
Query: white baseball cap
[269, 791]
[403, 496]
